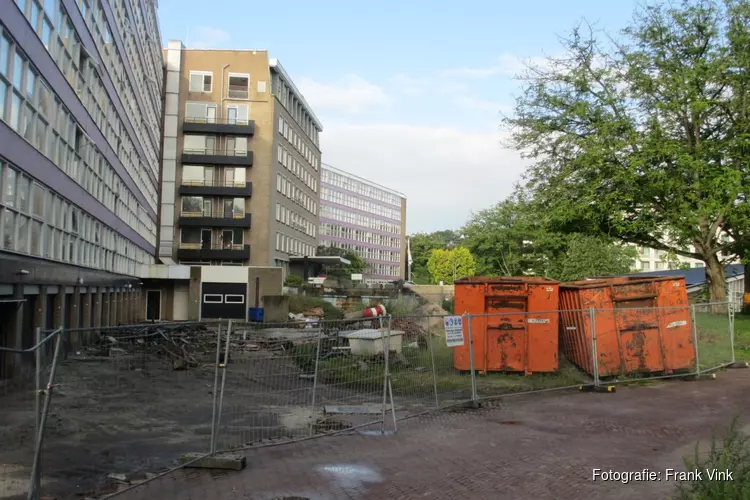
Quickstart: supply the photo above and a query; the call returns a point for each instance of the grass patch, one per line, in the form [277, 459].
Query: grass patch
[731, 453]
[301, 303]
[742, 336]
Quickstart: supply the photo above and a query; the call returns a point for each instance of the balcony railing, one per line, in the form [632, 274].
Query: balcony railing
[216, 152]
[214, 183]
[216, 214]
[214, 120]
[200, 246]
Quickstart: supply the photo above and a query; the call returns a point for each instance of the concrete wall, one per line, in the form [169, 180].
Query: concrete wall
[434, 293]
[271, 283]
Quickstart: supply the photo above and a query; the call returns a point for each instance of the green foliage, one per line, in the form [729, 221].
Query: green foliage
[646, 140]
[445, 265]
[301, 303]
[293, 281]
[400, 307]
[341, 271]
[731, 453]
[590, 256]
[422, 244]
[448, 305]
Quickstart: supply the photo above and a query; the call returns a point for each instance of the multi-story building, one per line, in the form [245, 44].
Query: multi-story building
[370, 219]
[241, 164]
[80, 108]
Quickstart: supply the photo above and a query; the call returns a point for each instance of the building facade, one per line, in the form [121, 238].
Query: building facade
[370, 219]
[241, 163]
[80, 108]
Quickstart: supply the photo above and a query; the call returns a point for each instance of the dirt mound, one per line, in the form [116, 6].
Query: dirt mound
[431, 310]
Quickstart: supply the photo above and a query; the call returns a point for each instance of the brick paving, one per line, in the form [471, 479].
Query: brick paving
[537, 447]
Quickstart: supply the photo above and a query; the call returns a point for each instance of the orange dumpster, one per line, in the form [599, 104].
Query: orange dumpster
[516, 329]
[642, 324]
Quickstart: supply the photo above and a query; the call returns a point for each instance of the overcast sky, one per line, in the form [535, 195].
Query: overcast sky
[409, 91]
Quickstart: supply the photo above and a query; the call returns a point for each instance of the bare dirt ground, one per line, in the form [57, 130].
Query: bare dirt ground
[541, 446]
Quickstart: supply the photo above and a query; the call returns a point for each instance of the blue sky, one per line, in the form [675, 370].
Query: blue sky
[409, 92]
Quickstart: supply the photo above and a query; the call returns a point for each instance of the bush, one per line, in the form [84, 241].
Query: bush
[731, 454]
[399, 307]
[293, 281]
[301, 303]
[449, 305]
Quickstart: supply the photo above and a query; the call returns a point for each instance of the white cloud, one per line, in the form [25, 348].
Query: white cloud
[506, 64]
[445, 172]
[467, 101]
[207, 37]
[351, 95]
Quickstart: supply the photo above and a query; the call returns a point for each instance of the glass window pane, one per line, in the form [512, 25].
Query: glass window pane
[3, 94]
[36, 238]
[30, 83]
[4, 55]
[23, 193]
[47, 34]
[190, 235]
[15, 112]
[237, 236]
[18, 71]
[238, 210]
[22, 245]
[9, 229]
[192, 175]
[38, 197]
[29, 123]
[41, 136]
[192, 204]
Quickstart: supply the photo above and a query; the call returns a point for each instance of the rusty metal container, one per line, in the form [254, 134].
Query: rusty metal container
[516, 329]
[642, 324]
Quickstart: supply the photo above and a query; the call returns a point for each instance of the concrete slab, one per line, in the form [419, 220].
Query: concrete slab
[220, 461]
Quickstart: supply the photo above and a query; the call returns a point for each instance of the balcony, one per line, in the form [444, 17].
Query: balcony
[217, 156]
[231, 126]
[195, 252]
[217, 188]
[213, 219]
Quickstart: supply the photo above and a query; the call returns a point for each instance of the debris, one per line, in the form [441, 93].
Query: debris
[116, 352]
[413, 345]
[420, 369]
[111, 339]
[330, 424]
[362, 366]
[123, 478]
[315, 312]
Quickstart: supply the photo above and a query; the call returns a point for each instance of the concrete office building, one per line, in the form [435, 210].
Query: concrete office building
[370, 219]
[80, 108]
[241, 165]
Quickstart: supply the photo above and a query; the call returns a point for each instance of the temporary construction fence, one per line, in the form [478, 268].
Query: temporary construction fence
[96, 412]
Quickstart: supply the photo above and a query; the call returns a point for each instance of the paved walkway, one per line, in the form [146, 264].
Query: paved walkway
[537, 447]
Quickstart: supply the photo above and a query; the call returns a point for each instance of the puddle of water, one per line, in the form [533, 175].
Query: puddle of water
[375, 432]
[351, 476]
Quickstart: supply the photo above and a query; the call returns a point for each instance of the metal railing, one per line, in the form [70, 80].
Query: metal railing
[214, 183]
[223, 121]
[222, 246]
[218, 214]
[216, 152]
[215, 386]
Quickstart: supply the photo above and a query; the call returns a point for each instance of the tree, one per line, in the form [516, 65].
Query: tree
[591, 256]
[356, 266]
[445, 265]
[646, 139]
[421, 244]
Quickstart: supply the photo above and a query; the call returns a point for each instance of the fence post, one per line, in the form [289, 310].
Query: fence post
[38, 396]
[315, 381]
[223, 383]
[212, 447]
[434, 368]
[730, 313]
[33, 489]
[474, 397]
[695, 340]
[386, 348]
[390, 384]
[594, 351]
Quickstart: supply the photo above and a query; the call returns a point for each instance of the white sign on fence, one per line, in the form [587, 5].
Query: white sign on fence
[454, 330]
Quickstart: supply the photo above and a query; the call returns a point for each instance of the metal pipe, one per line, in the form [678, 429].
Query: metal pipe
[216, 391]
[221, 92]
[434, 369]
[695, 340]
[594, 350]
[33, 491]
[315, 384]
[223, 383]
[730, 312]
[474, 396]
[385, 377]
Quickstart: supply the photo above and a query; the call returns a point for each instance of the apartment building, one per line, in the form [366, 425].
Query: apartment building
[241, 164]
[370, 219]
[80, 108]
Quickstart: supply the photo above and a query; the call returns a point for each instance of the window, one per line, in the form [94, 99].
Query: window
[234, 176]
[200, 112]
[190, 235]
[192, 205]
[4, 55]
[195, 175]
[199, 144]
[234, 299]
[239, 86]
[200, 81]
[237, 114]
[238, 207]
[213, 298]
[37, 197]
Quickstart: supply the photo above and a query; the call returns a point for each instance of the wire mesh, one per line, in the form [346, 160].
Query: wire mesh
[714, 332]
[129, 401]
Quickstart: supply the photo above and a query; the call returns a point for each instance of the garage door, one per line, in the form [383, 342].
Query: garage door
[224, 300]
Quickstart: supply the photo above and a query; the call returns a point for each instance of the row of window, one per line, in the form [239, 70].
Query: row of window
[291, 164]
[295, 220]
[361, 235]
[294, 193]
[299, 143]
[205, 112]
[229, 298]
[358, 219]
[376, 268]
[296, 109]
[212, 145]
[228, 239]
[292, 246]
[197, 175]
[349, 200]
[37, 221]
[342, 181]
[238, 84]
[367, 252]
[32, 109]
[213, 262]
[201, 206]
[147, 86]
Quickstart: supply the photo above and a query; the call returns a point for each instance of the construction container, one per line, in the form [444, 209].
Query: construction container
[516, 329]
[642, 324]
